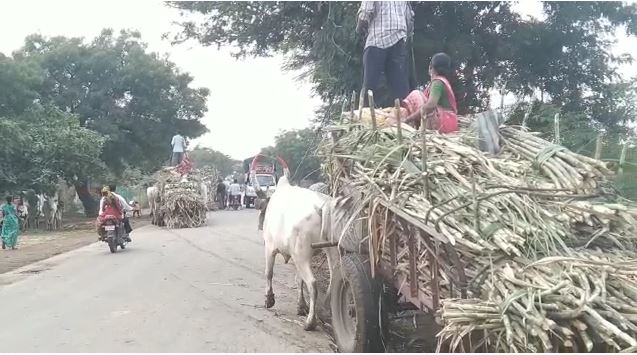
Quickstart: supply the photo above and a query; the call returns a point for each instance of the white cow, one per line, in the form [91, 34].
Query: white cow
[152, 193]
[204, 194]
[49, 209]
[294, 219]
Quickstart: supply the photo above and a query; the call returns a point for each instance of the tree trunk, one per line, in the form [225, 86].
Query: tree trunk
[89, 203]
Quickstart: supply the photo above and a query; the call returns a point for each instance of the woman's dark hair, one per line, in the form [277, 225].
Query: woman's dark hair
[9, 199]
[441, 63]
[112, 188]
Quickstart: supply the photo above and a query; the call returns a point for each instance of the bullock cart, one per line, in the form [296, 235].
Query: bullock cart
[526, 250]
[385, 253]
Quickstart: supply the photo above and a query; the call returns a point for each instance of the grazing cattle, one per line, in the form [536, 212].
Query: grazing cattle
[50, 210]
[294, 219]
[59, 210]
[152, 193]
[23, 215]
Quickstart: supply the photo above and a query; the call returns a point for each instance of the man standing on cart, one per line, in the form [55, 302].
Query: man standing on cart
[388, 24]
[178, 144]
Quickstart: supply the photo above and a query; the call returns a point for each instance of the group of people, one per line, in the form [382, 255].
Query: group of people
[388, 25]
[226, 191]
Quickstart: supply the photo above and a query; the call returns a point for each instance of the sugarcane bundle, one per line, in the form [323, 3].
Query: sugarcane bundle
[527, 203]
[210, 177]
[382, 116]
[182, 205]
[553, 304]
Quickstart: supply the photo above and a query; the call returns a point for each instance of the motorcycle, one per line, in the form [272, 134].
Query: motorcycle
[113, 233]
[235, 202]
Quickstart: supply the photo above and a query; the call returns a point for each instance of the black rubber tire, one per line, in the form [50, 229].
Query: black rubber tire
[112, 242]
[352, 278]
[112, 246]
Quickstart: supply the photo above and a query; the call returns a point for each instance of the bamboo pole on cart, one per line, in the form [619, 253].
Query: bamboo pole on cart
[343, 110]
[361, 102]
[423, 131]
[398, 123]
[352, 106]
[556, 127]
[598, 146]
[372, 108]
[622, 157]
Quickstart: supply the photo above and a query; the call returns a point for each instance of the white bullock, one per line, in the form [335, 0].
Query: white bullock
[152, 193]
[49, 210]
[204, 194]
[294, 219]
[23, 215]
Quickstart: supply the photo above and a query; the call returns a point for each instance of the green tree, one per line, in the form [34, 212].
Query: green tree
[43, 145]
[207, 157]
[298, 148]
[18, 84]
[565, 56]
[133, 98]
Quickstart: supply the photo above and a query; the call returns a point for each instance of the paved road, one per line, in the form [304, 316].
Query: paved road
[190, 290]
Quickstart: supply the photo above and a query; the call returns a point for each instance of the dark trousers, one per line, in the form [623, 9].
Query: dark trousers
[393, 62]
[176, 158]
[127, 226]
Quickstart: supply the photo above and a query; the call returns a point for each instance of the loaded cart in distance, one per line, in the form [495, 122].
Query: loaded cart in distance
[526, 250]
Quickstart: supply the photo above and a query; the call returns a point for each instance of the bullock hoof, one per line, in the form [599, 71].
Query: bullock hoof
[310, 324]
[302, 310]
[269, 300]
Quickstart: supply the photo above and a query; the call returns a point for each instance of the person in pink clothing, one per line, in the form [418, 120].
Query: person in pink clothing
[438, 99]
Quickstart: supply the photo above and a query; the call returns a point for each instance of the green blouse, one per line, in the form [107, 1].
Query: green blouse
[439, 93]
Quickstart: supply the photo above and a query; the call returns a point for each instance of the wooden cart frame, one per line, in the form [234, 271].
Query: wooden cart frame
[388, 237]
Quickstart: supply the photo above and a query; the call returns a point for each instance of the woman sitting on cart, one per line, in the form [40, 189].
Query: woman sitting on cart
[438, 99]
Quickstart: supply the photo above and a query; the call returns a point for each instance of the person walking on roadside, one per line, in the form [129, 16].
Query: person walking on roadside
[178, 144]
[221, 194]
[10, 225]
[388, 24]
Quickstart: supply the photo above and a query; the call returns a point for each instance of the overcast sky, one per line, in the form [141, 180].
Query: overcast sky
[250, 100]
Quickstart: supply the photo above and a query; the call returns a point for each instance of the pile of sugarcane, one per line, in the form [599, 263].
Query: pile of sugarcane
[537, 211]
[181, 202]
[182, 205]
[581, 303]
[210, 176]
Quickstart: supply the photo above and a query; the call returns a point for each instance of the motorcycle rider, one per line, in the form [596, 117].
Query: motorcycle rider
[109, 206]
[124, 207]
[235, 190]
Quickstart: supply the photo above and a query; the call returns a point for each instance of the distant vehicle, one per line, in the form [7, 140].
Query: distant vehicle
[262, 176]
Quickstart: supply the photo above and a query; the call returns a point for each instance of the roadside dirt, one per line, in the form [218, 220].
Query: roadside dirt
[36, 245]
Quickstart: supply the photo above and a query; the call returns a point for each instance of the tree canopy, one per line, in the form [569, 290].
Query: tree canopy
[566, 56]
[206, 157]
[298, 149]
[43, 145]
[78, 109]
[134, 98]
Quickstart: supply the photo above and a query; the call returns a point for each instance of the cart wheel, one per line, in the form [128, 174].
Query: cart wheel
[354, 303]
